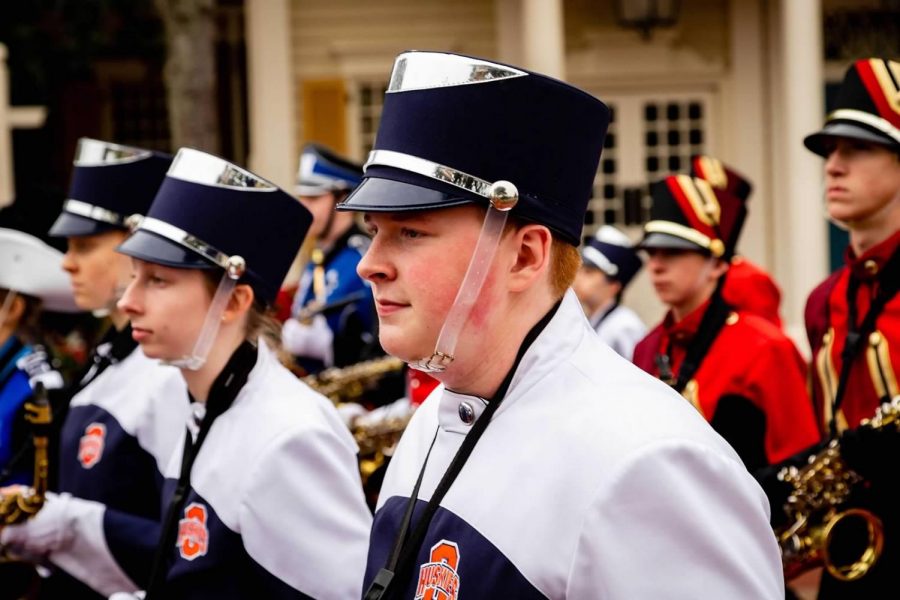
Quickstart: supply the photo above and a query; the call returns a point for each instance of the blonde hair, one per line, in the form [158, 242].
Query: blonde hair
[261, 321]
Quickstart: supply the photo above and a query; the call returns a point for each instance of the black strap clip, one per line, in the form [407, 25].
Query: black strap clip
[379, 585]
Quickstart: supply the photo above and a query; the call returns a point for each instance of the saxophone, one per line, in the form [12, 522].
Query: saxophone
[820, 489]
[376, 438]
[348, 384]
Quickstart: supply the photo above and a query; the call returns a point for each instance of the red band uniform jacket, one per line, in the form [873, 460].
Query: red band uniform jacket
[750, 385]
[872, 375]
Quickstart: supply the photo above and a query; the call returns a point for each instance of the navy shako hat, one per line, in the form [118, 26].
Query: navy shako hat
[110, 182]
[611, 251]
[209, 211]
[322, 170]
[453, 125]
[867, 107]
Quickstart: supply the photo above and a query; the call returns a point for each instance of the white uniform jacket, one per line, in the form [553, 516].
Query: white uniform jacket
[117, 438]
[275, 508]
[594, 481]
[620, 328]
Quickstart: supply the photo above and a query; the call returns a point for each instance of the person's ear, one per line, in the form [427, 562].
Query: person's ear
[720, 267]
[16, 311]
[239, 304]
[531, 243]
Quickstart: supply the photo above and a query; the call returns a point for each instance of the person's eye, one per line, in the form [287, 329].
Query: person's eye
[412, 234]
[156, 280]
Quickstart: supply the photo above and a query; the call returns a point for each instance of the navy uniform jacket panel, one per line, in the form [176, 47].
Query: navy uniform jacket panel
[215, 563]
[590, 471]
[120, 431]
[483, 567]
[102, 461]
[275, 485]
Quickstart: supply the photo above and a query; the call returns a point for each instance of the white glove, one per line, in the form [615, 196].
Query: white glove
[51, 529]
[128, 596]
[350, 411]
[312, 341]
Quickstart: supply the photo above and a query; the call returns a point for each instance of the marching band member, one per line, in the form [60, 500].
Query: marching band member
[853, 317]
[263, 496]
[748, 287]
[545, 465]
[341, 329]
[737, 369]
[31, 281]
[121, 424]
[608, 264]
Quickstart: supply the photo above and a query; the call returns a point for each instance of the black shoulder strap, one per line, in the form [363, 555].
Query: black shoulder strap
[713, 321]
[404, 551]
[888, 285]
[221, 395]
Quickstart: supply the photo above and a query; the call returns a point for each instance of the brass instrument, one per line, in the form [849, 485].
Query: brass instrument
[377, 442]
[376, 439]
[22, 505]
[348, 384]
[820, 488]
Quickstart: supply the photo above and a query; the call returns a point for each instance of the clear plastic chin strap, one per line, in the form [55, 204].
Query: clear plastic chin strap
[233, 271]
[504, 197]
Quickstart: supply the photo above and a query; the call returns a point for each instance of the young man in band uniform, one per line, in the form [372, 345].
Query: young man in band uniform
[736, 368]
[545, 466]
[853, 317]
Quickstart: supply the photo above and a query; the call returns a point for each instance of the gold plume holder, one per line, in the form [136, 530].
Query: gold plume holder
[817, 511]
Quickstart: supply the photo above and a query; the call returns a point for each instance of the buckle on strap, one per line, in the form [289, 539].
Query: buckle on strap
[436, 363]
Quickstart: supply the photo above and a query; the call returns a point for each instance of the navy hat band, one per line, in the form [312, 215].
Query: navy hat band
[97, 213]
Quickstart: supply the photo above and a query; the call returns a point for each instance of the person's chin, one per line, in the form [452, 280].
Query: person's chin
[397, 343]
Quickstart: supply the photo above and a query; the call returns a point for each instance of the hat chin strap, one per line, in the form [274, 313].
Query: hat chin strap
[211, 323]
[504, 196]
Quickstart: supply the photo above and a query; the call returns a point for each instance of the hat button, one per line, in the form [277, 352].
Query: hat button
[871, 267]
[466, 413]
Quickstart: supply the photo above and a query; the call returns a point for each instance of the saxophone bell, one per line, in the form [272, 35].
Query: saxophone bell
[822, 531]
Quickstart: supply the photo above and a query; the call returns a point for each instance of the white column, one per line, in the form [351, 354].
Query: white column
[543, 46]
[7, 189]
[801, 243]
[508, 30]
[748, 131]
[18, 117]
[270, 91]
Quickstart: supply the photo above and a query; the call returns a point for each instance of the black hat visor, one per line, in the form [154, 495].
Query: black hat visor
[668, 241]
[414, 192]
[815, 142]
[71, 225]
[150, 247]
